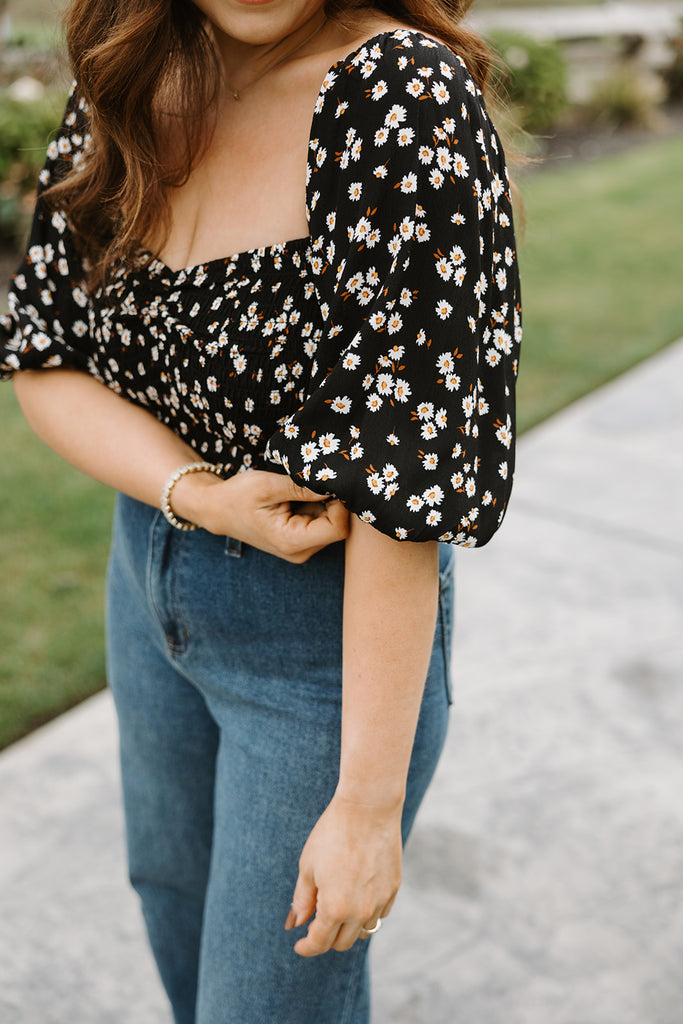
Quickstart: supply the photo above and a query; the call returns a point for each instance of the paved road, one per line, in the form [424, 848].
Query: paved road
[543, 883]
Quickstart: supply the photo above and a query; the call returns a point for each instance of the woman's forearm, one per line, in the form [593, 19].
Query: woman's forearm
[101, 433]
[390, 607]
[126, 447]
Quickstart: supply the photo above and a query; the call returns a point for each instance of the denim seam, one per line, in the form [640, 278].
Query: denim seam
[352, 988]
[445, 574]
[150, 569]
[177, 649]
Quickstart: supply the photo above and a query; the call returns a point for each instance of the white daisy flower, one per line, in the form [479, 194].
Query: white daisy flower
[444, 269]
[440, 93]
[415, 503]
[460, 166]
[309, 451]
[504, 433]
[405, 136]
[385, 383]
[350, 361]
[443, 158]
[481, 286]
[341, 404]
[402, 391]
[406, 228]
[396, 116]
[329, 443]
[436, 178]
[430, 460]
[433, 495]
[502, 340]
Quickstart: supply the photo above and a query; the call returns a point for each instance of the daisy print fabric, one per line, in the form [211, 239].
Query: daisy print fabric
[410, 419]
[374, 359]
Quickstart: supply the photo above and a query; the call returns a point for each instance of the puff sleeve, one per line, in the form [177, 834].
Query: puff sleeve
[48, 322]
[409, 418]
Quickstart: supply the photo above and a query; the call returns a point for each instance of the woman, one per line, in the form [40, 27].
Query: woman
[326, 410]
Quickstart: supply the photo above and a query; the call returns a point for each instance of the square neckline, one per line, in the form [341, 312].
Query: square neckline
[157, 266]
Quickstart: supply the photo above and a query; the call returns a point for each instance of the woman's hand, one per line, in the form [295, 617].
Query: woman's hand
[349, 874]
[266, 510]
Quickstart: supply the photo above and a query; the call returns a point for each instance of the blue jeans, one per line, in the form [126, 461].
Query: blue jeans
[225, 665]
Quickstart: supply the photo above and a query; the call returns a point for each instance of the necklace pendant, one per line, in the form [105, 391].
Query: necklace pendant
[236, 94]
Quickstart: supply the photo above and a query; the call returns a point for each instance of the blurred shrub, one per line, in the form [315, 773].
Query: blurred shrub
[532, 76]
[628, 98]
[25, 130]
[673, 76]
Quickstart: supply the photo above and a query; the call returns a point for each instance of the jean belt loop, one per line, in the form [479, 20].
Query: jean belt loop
[233, 547]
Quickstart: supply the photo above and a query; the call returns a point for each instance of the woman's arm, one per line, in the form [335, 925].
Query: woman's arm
[126, 447]
[350, 868]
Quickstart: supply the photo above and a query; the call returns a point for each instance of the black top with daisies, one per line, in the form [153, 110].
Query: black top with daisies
[374, 359]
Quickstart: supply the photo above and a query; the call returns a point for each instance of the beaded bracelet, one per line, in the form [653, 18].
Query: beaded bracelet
[191, 467]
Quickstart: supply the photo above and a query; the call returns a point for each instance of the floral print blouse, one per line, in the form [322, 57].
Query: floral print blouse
[374, 359]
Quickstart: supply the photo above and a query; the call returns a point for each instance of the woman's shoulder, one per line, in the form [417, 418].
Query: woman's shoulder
[420, 66]
[400, 77]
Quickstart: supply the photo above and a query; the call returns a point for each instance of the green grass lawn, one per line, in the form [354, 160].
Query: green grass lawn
[601, 278]
[54, 523]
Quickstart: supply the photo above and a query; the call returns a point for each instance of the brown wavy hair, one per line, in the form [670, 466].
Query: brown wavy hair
[139, 63]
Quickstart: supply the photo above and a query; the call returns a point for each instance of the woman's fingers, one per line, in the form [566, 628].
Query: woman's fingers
[303, 901]
[302, 534]
[320, 938]
[283, 488]
[324, 934]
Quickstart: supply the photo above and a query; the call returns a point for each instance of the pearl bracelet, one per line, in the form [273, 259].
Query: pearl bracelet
[165, 502]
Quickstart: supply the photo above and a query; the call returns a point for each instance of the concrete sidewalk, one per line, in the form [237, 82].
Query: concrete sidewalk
[543, 884]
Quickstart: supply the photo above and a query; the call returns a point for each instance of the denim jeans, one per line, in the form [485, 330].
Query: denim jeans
[225, 665]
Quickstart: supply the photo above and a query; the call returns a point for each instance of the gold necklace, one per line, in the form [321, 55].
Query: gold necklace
[236, 93]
